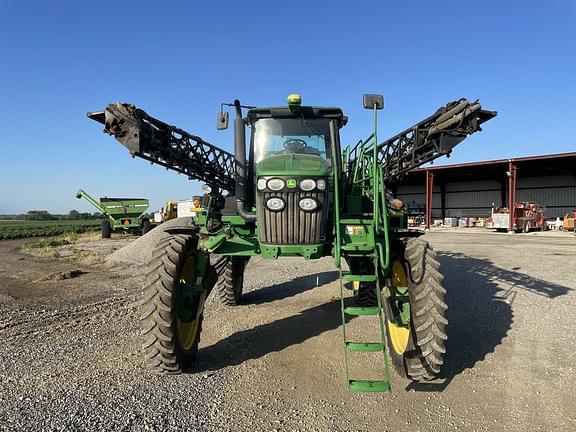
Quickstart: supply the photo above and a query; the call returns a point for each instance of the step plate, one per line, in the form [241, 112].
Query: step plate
[367, 386]
[359, 278]
[358, 310]
[365, 346]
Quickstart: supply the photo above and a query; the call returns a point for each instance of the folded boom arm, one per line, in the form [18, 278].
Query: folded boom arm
[431, 138]
[153, 140]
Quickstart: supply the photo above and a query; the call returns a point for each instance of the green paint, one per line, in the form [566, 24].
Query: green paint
[125, 214]
[292, 164]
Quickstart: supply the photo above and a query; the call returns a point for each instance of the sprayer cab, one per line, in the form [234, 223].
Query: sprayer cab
[294, 150]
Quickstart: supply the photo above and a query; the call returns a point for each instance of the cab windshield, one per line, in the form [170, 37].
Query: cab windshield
[291, 136]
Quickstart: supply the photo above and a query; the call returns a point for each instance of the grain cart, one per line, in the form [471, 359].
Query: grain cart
[298, 194]
[123, 214]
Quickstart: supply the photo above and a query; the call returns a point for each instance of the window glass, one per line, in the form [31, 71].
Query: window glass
[273, 137]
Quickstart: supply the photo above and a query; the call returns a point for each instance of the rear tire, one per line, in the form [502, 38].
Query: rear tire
[231, 282]
[106, 229]
[167, 348]
[422, 356]
[146, 226]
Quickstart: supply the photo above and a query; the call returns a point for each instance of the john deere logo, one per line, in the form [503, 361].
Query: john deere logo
[291, 183]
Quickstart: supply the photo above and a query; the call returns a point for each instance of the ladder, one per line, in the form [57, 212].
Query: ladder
[365, 249]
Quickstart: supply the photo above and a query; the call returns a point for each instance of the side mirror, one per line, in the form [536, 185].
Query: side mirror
[222, 120]
[373, 99]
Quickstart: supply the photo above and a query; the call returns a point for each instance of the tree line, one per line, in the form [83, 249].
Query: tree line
[43, 215]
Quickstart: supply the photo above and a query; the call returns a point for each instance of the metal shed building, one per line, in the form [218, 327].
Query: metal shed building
[471, 189]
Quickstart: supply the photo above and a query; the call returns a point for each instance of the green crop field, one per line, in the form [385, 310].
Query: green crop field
[12, 229]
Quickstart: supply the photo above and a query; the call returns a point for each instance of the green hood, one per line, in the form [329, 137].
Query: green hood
[292, 164]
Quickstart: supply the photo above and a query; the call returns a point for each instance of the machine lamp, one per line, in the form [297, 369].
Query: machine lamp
[294, 102]
[308, 204]
[275, 204]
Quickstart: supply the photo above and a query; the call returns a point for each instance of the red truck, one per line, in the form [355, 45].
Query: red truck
[528, 215]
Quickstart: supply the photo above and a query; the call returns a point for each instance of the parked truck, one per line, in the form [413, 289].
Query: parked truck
[527, 216]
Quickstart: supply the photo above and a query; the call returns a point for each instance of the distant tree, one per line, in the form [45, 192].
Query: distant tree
[73, 215]
[41, 215]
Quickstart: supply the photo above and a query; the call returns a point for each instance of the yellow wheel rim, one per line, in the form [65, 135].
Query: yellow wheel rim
[399, 334]
[188, 330]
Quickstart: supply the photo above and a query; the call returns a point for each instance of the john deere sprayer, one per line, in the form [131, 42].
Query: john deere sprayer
[297, 193]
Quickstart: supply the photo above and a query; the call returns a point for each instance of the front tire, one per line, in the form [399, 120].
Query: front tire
[526, 227]
[417, 348]
[173, 304]
[231, 282]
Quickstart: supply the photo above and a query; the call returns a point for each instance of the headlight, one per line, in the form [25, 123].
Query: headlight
[321, 184]
[275, 204]
[261, 184]
[308, 204]
[276, 184]
[307, 185]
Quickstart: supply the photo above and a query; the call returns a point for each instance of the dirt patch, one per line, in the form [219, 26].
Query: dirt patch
[63, 275]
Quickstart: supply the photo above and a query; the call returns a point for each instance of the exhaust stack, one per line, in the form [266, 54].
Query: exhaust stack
[241, 190]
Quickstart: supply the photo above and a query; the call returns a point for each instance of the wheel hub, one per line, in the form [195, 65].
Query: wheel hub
[398, 324]
[190, 304]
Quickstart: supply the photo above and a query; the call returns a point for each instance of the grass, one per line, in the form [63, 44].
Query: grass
[48, 248]
[88, 257]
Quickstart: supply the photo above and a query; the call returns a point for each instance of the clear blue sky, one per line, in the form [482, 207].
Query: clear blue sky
[180, 59]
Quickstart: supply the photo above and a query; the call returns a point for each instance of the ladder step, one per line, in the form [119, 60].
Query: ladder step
[359, 310]
[357, 247]
[368, 386]
[364, 346]
[359, 278]
[356, 222]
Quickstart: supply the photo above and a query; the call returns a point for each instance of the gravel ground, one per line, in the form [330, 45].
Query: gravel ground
[140, 250]
[70, 356]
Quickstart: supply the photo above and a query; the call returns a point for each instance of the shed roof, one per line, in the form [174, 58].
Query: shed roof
[530, 166]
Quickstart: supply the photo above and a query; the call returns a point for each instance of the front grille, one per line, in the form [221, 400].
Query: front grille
[292, 225]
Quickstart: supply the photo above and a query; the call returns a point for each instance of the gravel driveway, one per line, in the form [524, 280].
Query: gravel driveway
[70, 355]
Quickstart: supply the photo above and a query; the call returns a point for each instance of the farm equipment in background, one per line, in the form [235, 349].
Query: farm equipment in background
[569, 222]
[298, 194]
[528, 215]
[123, 214]
[178, 209]
[190, 208]
[168, 212]
[416, 214]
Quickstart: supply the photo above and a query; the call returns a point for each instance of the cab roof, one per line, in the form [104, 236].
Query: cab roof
[308, 112]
